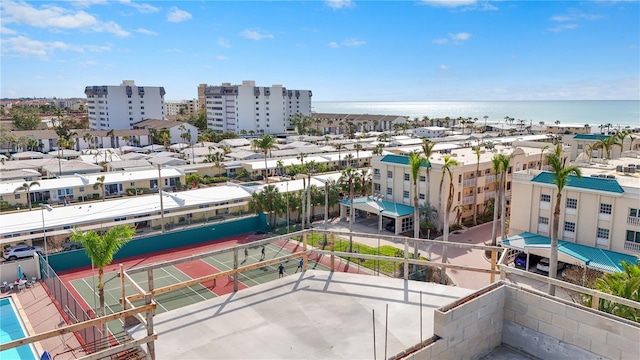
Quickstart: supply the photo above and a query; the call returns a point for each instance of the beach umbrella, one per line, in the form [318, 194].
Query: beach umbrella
[19, 272]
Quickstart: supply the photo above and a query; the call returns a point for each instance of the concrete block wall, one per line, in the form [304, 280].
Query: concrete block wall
[552, 328]
[469, 328]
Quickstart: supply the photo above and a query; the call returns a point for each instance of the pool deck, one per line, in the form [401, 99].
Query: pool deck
[40, 314]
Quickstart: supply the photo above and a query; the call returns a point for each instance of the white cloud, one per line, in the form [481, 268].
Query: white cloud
[223, 43]
[146, 32]
[54, 17]
[455, 39]
[449, 3]
[256, 34]
[221, 57]
[88, 3]
[563, 27]
[348, 43]
[23, 46]
[340, 4]
[97, 48]
[6, 31]
[444, 67]
[176, 15]
[142, 8]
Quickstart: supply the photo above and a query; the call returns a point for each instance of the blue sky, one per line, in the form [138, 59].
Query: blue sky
[342, 50]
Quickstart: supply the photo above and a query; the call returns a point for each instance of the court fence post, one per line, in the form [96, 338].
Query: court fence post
[332, 247]
[305, 257]
[148, 299]
[235, 267]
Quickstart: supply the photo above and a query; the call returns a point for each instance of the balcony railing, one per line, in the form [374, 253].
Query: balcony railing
[467, 200]
[632, 246]
[632, 220]
[469, 182]
[489, 195]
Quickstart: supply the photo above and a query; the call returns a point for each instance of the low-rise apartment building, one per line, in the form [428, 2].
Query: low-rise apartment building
[601, 209]
[474, 180]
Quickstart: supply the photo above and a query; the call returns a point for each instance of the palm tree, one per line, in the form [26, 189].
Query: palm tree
[279, 167]
[607, 144]
[111, 134]
[561, 174]
[506, 165]
[349, 177]
[427, 148]
[541, 155]
[100, 184]
[165, 137]
[217, 159]
[88, 138]
[621, 135]
[27, 187]
[101, 249]
[357, 148]
[475, 187]
[449, 163]
[264, 143]
[497, 169]
[415, 161]
[624, 284]
[339, 147]
[377, 150]
[349, 160]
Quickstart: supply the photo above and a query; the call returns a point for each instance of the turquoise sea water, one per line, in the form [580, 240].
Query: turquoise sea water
[11, 329]
[620, 113]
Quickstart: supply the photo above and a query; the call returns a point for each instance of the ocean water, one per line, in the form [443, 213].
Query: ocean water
[619, 113]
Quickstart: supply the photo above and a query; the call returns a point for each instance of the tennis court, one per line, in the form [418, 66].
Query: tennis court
[84, 286]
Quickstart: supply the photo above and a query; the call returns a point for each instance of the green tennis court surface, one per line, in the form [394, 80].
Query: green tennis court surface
[171, 275]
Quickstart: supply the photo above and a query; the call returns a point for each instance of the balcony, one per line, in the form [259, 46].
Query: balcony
[489, 195]
[467, 200]
[490, 178]
[632, 246]
[469, 182]
[376, 176]
[632, 220]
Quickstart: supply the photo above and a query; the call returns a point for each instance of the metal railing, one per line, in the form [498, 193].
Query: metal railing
[632, 246]
[75, 313]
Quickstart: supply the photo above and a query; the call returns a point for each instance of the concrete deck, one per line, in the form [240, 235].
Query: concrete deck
[313, 315]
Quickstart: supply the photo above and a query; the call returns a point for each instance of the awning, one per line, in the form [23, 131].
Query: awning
[595, 258]
[389, 209]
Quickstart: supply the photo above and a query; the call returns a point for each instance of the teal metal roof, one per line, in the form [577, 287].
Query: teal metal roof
[599, 259]
[585, 182]
[402, 160]
[593, 137]
[390, 209]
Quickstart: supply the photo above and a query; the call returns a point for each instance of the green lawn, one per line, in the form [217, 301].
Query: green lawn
[387, 267]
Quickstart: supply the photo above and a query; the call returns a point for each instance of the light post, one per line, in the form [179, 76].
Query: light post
[44, 231]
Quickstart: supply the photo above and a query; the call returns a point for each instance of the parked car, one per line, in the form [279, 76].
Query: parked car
[20, 251]
[71, 245]
[391, 227]
[543, 265]
[521, 260]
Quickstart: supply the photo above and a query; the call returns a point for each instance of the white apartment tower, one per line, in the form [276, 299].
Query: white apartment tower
[264, 110]
[119, 107]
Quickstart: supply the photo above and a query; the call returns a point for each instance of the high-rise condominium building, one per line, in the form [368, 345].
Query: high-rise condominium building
[119, 107]
[181, 107]
[264, 110]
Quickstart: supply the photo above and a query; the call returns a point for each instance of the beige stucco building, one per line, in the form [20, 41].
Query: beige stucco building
[601, 209]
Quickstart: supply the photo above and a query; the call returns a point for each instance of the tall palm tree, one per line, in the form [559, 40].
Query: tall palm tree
[217, 158]
[339, 147]
[357, 148]
[88, 138]
[541, 155]
[27, 187]
[100, 184]
[415, 162]
[112, 135]
[607, 144]
[264, 143]
[165, 137]
[506, 165]
[624, 284]
[475, 187]
[348, 177]
[561, 174]
[621, 135]
[497, 169]
[427, 148]
[101, 249]
[447, 167]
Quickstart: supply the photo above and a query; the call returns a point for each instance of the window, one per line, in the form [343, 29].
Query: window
[605, 209]
[422, 178]
[545, 198]
[376, 187]
[376, 172]
[81, 189]
[389, 174]
[405, 194]
[407, 224]
[543, 220]
[603, 233]
[572, 203]
[406, 177]
[422, 197]
[569, 226]
[389, 191]
[634, 212]
[633, 236]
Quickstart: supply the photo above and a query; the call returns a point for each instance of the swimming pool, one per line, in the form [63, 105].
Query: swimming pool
[11, 328]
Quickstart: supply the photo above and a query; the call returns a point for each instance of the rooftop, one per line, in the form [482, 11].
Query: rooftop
[584, 182]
